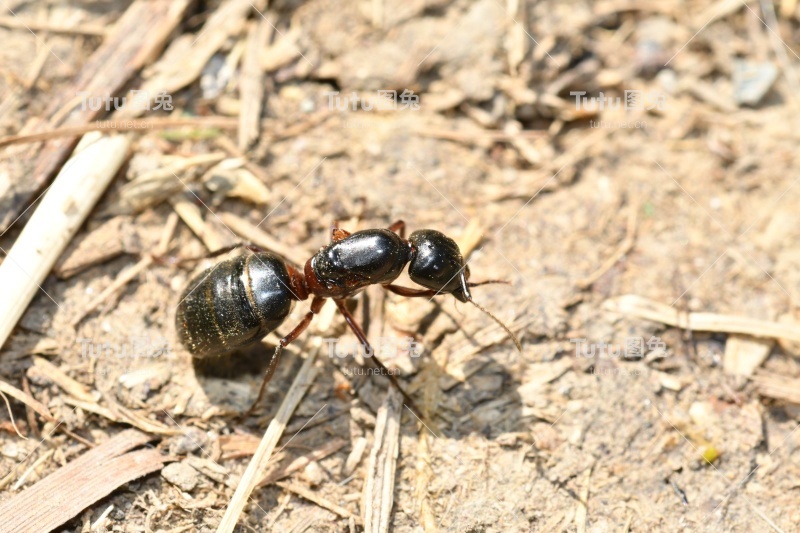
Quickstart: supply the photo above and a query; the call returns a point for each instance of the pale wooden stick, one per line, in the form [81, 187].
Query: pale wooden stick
[319, 500]
[255, 470]
[634, 305]
[140, 126]
[379, 488]
[33, 25]
[54, 374]
[251, 85]
[192, 216]
[256, 235]
[63, 209]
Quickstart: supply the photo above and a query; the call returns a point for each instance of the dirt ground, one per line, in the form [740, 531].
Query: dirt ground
[680, 190]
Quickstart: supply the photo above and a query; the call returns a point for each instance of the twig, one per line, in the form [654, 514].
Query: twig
[634, 305]
[253, 234]
[254, 472]
[251, 84]
[54, 374]
[62, 211]
[31, 468]
[29, 401]
[11, 416]
[322, 502]
[302, 461]
[191, 215]
[122, 125]
[33, 25]
[582, 510]
[379, 486]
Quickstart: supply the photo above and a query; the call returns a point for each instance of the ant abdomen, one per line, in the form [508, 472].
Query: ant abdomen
[235, 303]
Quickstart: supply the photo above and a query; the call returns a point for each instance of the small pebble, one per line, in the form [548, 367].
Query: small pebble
[314, 474]
[192, 440]
[181, 475]
[10, 450]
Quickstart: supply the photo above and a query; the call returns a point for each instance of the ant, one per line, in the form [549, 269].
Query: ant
[240, 300]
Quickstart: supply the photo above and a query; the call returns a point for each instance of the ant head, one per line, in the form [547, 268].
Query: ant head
[437, 264]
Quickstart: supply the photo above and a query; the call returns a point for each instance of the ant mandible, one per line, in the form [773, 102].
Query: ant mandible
[240, 300]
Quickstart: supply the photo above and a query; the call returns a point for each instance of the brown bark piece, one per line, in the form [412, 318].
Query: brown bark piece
[72, 488]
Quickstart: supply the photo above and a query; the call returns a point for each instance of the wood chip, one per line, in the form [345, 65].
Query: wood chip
[743, 354]
[538, 374]
[778, 386]
[72, 488]
[463, 362]
[379, 486]
[183, 61]
[359, 446]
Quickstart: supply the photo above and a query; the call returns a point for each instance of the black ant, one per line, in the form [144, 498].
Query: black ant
[240, 300]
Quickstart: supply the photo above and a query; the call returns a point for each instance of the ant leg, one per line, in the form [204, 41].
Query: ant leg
[364, 342]
[316, 305]
[399, 227]
[338, 234]
[409, 292]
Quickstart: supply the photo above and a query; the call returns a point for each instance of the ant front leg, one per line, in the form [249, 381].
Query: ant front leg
[399, 227]
[316, 306]
[348, 317]
[409, 292]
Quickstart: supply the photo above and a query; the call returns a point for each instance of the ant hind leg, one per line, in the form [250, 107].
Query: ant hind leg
[399, 227]
[348, 317]
[316, 306]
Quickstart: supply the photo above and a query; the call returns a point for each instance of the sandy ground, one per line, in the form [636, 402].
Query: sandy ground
[691, 204]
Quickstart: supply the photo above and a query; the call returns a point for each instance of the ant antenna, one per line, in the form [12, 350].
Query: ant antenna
[510, 333]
